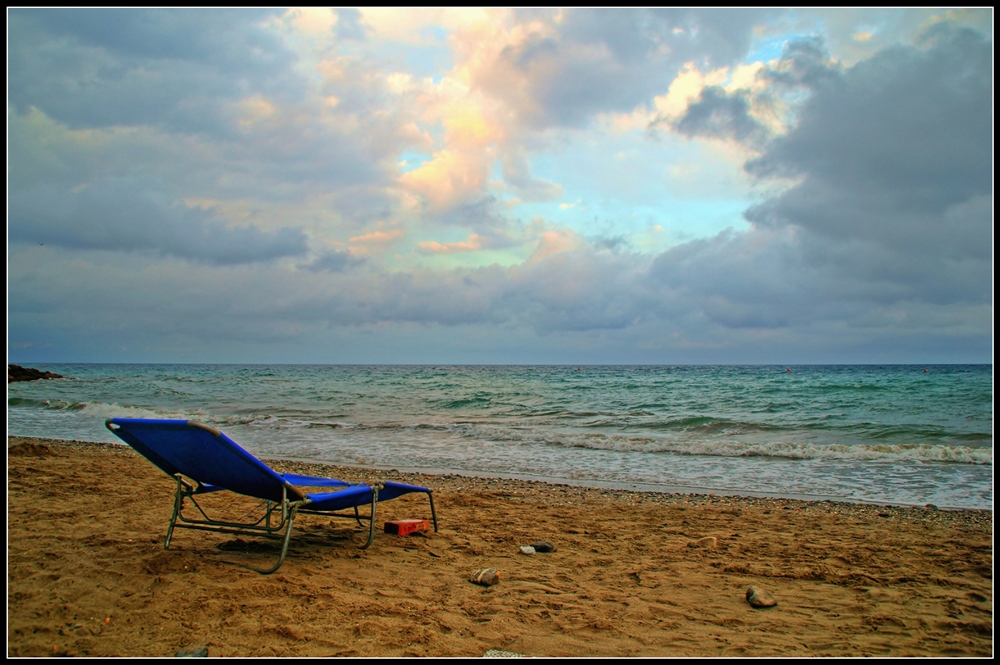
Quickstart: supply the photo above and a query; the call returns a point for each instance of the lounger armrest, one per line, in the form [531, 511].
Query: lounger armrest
[391, 490]
[204, 488]
[313, 481]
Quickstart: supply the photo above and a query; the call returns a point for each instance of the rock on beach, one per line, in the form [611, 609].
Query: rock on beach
[757, 597]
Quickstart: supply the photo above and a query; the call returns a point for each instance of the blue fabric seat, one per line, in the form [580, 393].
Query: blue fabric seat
[202, 459]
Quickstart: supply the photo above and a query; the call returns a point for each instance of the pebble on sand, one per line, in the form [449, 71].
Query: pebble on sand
[191, 651]
[709, 542]
[757, 597]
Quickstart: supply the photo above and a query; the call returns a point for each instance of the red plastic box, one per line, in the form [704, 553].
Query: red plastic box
[406, 527]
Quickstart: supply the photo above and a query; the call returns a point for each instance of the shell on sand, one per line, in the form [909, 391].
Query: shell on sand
[757, 597]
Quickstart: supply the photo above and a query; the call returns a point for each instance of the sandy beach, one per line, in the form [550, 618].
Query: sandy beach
[634, 574]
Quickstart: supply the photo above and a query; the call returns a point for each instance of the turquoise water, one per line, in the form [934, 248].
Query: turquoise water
[885, 434]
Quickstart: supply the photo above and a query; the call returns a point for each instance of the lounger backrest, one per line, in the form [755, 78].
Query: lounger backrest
[201, 453]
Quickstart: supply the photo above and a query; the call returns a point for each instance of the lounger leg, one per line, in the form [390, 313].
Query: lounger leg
[284, 546]
[371, 525]
[178, 501]
[434, 516]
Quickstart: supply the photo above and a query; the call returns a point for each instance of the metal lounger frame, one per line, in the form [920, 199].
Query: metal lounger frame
[293, 501]
[263, 527]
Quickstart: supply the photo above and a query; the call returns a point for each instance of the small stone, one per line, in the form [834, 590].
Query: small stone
[527, 549]
[544, 546]
[709, 542]
[757, 597]
[200, 651]
[485, 576]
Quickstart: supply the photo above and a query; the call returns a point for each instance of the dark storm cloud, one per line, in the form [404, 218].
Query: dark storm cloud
[333, 261]
[720, 115]
[805, 62]
[129, 215]
[174, 68]
[185, 34]
[580, 290]
[604, 60]
[805, 65]
[485, 216]
[573, 291]
[888, 149]
[731, 280]
[892, 204]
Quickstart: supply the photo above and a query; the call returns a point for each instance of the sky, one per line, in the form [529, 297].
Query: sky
[500, 186]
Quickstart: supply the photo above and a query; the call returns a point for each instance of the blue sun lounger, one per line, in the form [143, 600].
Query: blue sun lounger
[202, 459]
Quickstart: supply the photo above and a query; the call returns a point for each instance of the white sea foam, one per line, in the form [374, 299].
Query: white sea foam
[738, 447]
[783, 449]
[112, 410]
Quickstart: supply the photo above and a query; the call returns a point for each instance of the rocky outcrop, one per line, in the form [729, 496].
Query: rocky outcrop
[18, 373]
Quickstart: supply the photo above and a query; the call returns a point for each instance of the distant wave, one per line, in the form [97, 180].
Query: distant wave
[869, 452]
[97, 409]
[717, 446]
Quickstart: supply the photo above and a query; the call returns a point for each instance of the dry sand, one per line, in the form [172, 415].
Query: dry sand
[634, 573]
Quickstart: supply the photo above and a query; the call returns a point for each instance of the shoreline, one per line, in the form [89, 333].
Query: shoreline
[359, 472]
[634, 573]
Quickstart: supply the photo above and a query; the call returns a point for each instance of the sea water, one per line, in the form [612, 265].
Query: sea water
[894, 434]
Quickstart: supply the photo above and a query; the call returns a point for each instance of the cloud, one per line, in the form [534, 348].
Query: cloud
[375, 242]
[449, 178]
[562, 67]
[430, 247]
[517, 176]
[459, 168]
[171, 68]
[334, 261]
[756, 105]
[131, 215]
[805, 63]
[721, 115]
[886, 149]
[350, 24]
[891, 206]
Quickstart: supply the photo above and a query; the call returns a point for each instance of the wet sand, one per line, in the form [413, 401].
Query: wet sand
[634, 574]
